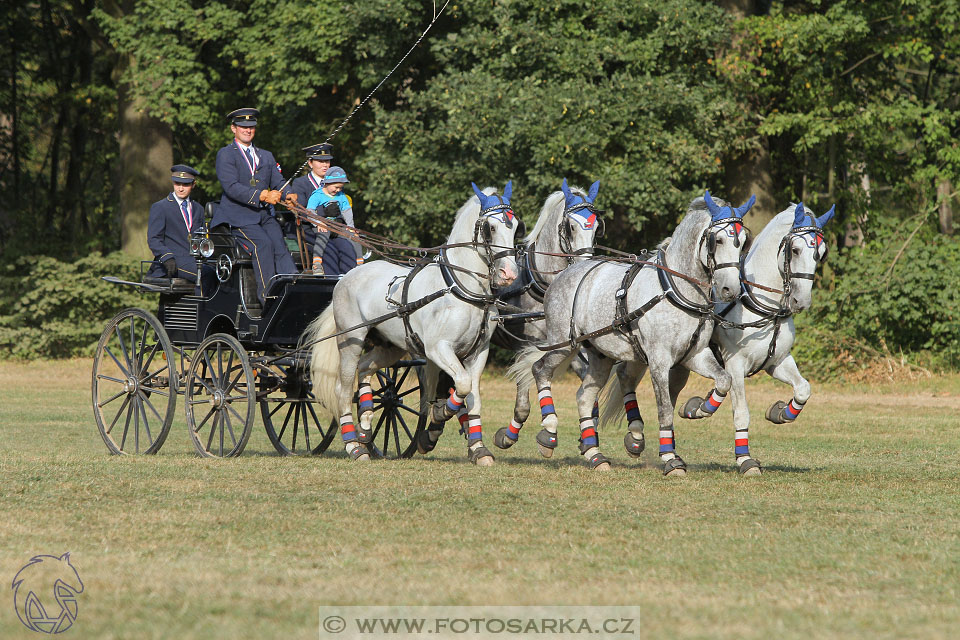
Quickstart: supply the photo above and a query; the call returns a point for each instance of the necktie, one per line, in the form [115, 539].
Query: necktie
[251, 159]
[187, 216]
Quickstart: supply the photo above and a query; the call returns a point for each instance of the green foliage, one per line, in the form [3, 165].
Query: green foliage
[895, 293]
[51, 308]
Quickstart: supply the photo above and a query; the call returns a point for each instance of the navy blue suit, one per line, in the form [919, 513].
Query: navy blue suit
[253, 222]
[167, 237]
[304, 186]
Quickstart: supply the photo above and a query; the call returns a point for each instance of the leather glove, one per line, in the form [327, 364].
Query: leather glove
[270, 196]
[170, 266]
[291, 198]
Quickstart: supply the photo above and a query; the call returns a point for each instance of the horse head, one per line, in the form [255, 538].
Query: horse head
[722, 243]
[581, 224]
[496, 234]
[803, 249]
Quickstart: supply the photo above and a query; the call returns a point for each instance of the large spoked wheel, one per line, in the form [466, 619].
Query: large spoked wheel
[220, 396]
[291, 416]
[396, 409]
[134, 383]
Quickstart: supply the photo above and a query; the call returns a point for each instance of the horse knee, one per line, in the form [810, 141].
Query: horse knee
[802, 391]
[723, 383]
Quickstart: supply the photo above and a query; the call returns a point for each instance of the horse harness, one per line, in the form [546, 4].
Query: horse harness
[768, 313]
[454, 285]
[563, 232]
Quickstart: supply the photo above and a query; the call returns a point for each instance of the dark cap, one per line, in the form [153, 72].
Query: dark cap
[335, 174]
[183, 174]
[246, 117]
[322, 151]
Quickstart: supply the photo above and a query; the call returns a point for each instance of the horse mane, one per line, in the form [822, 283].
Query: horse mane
[552, 209]
[687, 233]
[776, 229]
[466, 217]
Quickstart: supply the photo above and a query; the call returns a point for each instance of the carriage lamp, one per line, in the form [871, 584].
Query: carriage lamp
[194, 246]
[206, 247]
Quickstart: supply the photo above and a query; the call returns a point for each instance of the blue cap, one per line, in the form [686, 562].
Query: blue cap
[335, 174]
[182, 174]
[246, 117]
[322, 151]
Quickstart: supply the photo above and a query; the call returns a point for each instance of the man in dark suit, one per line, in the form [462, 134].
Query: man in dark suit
[250, 178]
[319, 158]
[172, 221]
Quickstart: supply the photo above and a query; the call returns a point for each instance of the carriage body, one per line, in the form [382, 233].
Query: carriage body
[226, 356]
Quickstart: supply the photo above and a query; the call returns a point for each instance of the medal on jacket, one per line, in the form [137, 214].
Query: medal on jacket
[253, 182]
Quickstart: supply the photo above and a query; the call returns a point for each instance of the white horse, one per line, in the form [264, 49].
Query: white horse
[757, 332]
[564, 234]
[445, 315]
[643, 316]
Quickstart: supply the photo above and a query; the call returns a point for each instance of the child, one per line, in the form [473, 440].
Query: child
[333, 254]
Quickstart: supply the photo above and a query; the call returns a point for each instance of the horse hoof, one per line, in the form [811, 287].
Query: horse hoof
[599, 462]
[675, 468]
[501, 440]
[603, 466]
[750, 467]
[363, 457]
[633, 446]
[775, 412]
[691, 408]
[480, 456]
[485, 461]
[546, 443]
[424, 444]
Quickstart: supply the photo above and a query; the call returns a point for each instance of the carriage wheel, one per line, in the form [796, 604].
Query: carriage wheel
[134, 382]
[396, 409]
[220, 397]
[291, 417]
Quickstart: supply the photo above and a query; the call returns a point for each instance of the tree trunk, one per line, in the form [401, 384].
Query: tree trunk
[146, 154]
[945, 196]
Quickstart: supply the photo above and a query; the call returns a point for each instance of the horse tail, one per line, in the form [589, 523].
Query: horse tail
[611, 400]
[521, 371]
[324, 359]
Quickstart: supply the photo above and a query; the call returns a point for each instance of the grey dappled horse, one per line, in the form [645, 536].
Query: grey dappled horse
[663, 320]
[783, 257]
[452, 331]
[567, 226]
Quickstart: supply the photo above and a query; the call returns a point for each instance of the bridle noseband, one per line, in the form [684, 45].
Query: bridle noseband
[709, 236]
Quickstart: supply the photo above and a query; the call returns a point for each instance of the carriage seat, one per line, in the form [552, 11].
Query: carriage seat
[175, 285]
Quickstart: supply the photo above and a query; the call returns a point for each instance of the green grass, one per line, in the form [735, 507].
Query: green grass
[852, 531]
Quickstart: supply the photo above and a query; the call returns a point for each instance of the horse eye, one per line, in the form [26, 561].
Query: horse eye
[796, 251]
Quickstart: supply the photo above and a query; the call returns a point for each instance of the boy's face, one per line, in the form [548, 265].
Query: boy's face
[333, 188]
[182, 190]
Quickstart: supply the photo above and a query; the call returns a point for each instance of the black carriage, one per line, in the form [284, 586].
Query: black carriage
[226, 356]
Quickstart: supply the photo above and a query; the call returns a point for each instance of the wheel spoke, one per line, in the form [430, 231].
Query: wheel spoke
[112, 398]
[146, 424]
[286, 421]
[226, 415]
[316, 420]
[117, 417]
[123, 348]
[404, 423]
[140, 347]
[223, 416]
[386, 435]
[235, 412]
[213, 427]
[110, 353]
[146, 365]
[408, 392]
[212, 411]
[213, 378]
[296, 425]
[158, 392]
[406, 408]
[306, 426]
[145, 400]
[399, 382]
[100, 376]
[220, 370]
[126, 426]
[235, 381]
[273, 411]
[376, 430]
[136, 425]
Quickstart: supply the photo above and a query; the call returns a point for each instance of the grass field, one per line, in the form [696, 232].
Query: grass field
[852, 532]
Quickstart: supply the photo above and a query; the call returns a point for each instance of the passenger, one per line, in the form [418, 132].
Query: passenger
[250, 178]
[319, 157]
[336, 254]
[172, 221]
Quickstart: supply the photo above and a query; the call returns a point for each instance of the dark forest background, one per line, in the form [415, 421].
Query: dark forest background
[852, 103]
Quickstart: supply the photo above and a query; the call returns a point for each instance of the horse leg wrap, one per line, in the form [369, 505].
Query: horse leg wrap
[741, 444]
[667, 443]
[508, 435]
[470, 427]
[631, 407]
[548, 414]
[780, 412]
[427, 439]
[589, 441]
[697, 407]
[350, 443]
[445, 411]
[365, 410]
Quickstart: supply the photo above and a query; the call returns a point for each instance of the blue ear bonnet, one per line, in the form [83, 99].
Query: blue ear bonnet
[573, 199]
[803, 219]
[718, 213]
[487, 202]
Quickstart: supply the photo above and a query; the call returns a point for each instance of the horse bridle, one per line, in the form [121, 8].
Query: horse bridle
[709, 236]
[482, 229]
[563, 232]
[787, 244]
